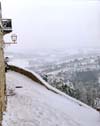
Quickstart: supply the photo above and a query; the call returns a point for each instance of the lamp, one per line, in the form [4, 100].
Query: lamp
[14, 38]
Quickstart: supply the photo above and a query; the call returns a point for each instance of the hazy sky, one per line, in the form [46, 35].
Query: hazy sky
[54, 23]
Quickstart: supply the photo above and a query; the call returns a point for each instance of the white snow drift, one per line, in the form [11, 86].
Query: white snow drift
[34, 105]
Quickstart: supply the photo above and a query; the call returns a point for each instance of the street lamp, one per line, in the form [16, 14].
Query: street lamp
[13, 38]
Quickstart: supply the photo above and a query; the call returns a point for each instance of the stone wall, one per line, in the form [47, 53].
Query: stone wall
[34, 77]
[2, 79]
[26, 73]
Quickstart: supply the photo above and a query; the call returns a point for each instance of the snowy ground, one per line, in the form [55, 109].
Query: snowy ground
[34, 105]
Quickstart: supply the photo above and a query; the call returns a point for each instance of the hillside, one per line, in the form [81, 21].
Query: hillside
[34, 105]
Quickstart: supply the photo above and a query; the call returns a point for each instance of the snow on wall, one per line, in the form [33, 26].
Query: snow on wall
[34, 76]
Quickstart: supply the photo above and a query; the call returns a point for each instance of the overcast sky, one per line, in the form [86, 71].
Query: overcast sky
[54, 23]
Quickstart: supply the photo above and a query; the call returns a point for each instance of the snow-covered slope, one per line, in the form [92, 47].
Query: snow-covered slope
[34, 105]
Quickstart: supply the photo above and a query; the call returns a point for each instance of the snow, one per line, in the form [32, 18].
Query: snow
[35, 105]
[48, 86]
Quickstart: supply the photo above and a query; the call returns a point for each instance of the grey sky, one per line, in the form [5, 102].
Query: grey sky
[54, 23]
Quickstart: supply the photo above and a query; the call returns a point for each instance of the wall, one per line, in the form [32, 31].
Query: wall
[35, 78]
[2, 79]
